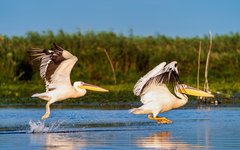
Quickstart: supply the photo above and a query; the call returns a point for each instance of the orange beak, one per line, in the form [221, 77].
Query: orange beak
[92, 87]
[185, 89]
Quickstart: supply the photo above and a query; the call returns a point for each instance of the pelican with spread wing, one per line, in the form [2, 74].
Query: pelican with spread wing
[155, 95]
[55, 68]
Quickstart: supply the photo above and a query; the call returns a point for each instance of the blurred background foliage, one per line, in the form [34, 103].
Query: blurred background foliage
[132, 57]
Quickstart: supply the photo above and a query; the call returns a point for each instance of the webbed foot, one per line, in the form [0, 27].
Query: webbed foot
[160, 120]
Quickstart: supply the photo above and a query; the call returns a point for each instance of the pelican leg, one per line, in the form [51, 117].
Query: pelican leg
[46, 115]
[160, 120]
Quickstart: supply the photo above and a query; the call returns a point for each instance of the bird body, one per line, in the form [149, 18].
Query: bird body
[55, 68]
[61, 93]
[155, 95]
[158, 99]
[150, 99]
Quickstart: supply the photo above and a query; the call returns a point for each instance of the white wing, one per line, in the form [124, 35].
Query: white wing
[155, 93]
[61, 76]
[159, 75]
[56, 66]
[143, 80]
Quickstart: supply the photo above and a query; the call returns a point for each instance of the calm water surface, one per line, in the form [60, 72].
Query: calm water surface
[79, 128]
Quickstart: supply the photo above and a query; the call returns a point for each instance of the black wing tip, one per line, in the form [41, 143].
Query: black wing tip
[35, 50]
[170, 74]
[39, 53]
[56, 47]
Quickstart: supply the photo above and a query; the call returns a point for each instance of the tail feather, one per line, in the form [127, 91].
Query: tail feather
[42, 96]
[38, 94]
[138, 111]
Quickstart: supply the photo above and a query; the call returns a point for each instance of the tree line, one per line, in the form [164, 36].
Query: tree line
[130, 56]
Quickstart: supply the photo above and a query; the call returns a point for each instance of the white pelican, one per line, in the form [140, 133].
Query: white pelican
[156, 97]
[55, 68]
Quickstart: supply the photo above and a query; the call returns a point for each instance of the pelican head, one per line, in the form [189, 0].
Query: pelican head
[186, 89]
[85, 86]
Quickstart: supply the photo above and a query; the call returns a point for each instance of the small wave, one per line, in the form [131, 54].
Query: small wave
[41, 127]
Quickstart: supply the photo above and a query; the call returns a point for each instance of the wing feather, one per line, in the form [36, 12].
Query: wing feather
[161, 74]
[56, 65]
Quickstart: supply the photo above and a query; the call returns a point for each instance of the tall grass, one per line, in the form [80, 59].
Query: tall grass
[131, 56]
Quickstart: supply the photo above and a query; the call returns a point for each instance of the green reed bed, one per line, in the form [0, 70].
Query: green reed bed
[130, 57]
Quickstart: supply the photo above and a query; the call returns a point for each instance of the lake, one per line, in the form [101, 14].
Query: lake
[209, 127]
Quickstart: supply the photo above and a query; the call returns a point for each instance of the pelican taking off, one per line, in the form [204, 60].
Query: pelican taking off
[156, 97]
[55, 68]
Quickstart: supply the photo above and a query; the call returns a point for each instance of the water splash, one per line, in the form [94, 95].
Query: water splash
[41, 127]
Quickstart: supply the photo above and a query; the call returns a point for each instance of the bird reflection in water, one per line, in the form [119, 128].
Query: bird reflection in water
[164, 140]
[58, 141]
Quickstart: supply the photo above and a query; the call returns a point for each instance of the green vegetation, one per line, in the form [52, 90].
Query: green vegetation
[132, 56]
